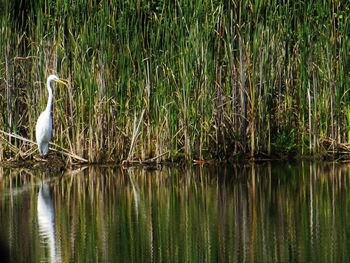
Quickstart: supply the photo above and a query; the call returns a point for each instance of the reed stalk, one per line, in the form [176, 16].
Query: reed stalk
[217, 80]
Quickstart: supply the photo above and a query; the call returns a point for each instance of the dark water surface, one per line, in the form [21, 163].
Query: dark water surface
[257, 213]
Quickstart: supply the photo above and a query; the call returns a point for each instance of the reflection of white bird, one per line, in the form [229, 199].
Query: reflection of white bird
[43, 126]
[46, 220]
[45, 210]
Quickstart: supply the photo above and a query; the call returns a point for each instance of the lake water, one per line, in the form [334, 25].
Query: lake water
[270, 212]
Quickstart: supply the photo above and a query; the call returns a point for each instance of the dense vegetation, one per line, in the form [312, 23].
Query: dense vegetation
[215, 79]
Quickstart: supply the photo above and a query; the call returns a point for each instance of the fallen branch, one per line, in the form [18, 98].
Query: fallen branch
[333, 147]
[149, 161]
[60, 149]
[155, 158]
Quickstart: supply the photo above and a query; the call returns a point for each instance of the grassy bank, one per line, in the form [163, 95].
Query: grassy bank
[215, 79]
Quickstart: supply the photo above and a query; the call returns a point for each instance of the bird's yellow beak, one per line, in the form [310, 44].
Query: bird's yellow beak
[64, 82]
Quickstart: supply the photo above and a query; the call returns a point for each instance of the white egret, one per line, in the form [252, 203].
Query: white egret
[43, 128]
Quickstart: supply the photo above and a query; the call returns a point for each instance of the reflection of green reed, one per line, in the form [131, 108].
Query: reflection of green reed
[268, 212]
[214, 78]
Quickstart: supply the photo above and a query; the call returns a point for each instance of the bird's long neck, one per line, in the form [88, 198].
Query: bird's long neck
[49, 100]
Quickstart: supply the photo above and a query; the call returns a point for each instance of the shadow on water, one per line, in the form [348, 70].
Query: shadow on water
[270, 212]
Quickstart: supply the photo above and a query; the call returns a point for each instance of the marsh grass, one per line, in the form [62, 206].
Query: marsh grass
[216, 79]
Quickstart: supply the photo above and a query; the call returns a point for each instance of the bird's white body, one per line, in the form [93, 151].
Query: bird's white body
[44, 132]
[43, 128]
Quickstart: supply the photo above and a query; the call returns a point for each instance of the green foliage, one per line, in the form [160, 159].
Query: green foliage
[204, 71]
[285, 142]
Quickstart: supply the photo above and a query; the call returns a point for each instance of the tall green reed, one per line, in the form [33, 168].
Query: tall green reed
[216, 80]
